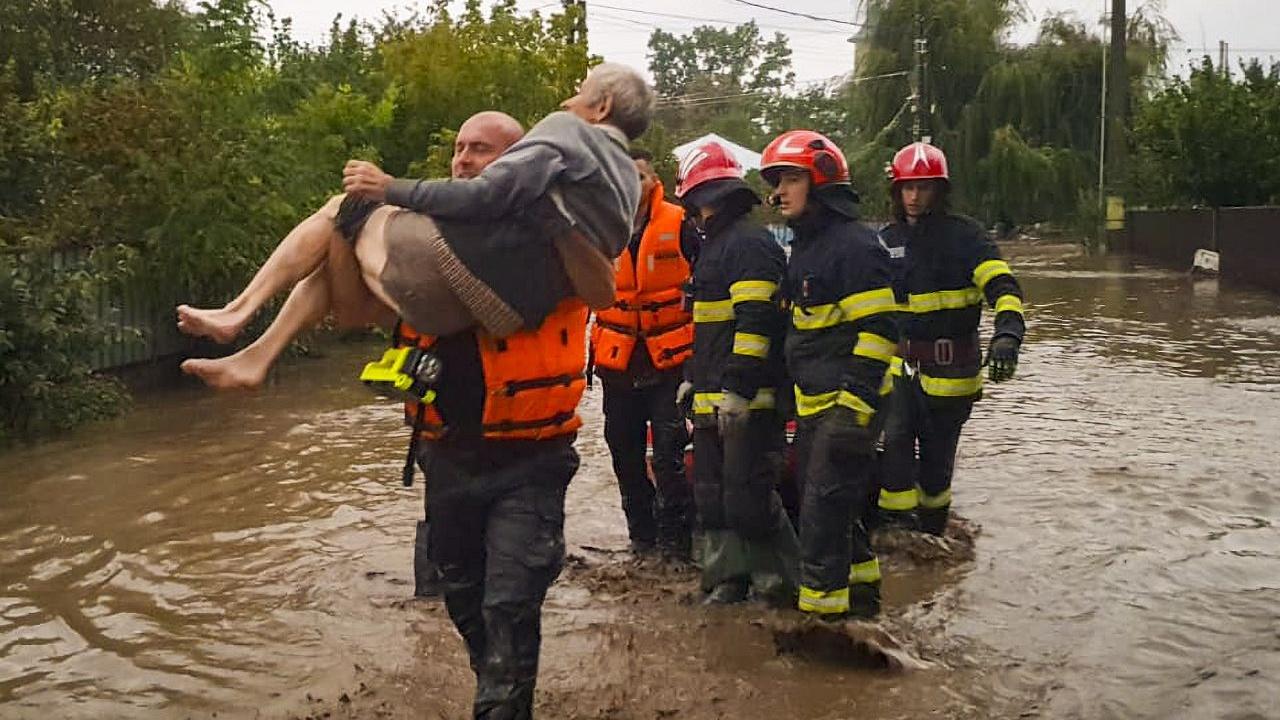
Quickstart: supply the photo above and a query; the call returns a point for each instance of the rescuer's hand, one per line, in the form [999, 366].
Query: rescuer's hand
[1002, 358]
[684, 396]
[846, 436]
[732, 412]
[365, 180]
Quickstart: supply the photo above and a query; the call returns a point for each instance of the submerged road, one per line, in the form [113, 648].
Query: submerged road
[249, 555]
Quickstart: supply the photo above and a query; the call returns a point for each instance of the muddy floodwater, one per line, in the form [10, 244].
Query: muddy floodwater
[250, 555]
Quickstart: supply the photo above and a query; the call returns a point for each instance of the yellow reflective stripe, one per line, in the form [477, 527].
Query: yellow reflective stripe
[1010, 303]
[815, 317]
[988, 270]
[886, 385]
[807, 405]
[864, 304]
[933, 502]
[706, 403]
[876, 347]
[711, 311]
[750, 344]
[748, 290]
[857, 404]
[895, 366]
[950, 387]
[945, 300]
[900, 500]
[865, 572]
[818, 601]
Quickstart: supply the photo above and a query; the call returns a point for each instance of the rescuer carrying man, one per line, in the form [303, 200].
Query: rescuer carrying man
[747, 541]
[494, 420]
[839, 349]
[944, 267]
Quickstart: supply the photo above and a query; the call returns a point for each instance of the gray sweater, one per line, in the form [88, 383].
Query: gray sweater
[584, 167]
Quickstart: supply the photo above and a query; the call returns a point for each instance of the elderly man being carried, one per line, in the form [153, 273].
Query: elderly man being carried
[499, 251]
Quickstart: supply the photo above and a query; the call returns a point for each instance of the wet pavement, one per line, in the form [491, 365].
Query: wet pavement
[249, 555]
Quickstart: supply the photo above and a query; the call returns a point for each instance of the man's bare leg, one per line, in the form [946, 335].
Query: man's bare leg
[355, 275]
[305, 307]
[300, 253]
[336, 285]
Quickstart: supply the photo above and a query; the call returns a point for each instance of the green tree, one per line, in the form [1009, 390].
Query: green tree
[446, 69]
[70, 41]
[718, 80]
[1210, 140]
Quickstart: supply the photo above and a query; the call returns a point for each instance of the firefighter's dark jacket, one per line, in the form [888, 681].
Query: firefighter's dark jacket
[738, 322]
[944, 266]
[843, 337]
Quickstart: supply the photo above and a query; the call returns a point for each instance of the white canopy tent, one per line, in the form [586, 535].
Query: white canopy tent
[749, 159]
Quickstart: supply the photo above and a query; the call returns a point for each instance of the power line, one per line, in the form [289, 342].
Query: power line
[799, 14]
[1236, 50]
[703, 99]
[716, 20]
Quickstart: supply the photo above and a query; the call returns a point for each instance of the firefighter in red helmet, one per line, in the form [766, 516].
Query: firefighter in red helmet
[839, 348]
[944, 268]
[747, 543]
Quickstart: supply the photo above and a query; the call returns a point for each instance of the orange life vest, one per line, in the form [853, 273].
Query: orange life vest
[650, 297]
[533, 380]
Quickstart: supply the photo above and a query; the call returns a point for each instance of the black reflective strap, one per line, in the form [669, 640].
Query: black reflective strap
[672, 352]
[406, 477]
[661, 330]
[509, 425]
[516, 386]
[648, 306]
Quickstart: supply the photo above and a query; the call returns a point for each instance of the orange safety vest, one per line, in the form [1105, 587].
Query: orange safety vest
[533, 380]
[650, 297]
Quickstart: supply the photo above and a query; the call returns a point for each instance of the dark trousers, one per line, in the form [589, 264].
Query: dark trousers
[629, 411]
[735, 478]
[833, 502]
[929, 427]
[497, 537]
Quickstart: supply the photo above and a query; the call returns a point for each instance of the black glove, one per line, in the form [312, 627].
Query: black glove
[1002, 358]
[844, 436]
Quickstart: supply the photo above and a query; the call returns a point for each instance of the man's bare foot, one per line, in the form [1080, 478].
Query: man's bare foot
[220, 325]
[236, 372]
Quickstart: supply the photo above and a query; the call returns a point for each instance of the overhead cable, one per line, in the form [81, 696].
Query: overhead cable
[799, 14]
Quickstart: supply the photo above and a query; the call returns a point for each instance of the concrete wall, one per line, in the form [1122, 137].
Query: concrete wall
[1246, 239]
[1249, 242]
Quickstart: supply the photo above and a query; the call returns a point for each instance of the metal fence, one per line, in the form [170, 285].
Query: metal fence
[139, 326]
[1246, 239]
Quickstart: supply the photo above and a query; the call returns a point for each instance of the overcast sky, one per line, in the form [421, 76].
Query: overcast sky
[619, 29]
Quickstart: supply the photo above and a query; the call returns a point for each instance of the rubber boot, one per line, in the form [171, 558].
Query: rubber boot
[729, 592]
[864, 600]
[675, 532]
[643, 548]
[888, 519]
[934, 520]
[426, 576]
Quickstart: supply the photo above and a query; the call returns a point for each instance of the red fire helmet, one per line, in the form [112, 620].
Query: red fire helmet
[807, 150]
[711, 161]
[919, 161]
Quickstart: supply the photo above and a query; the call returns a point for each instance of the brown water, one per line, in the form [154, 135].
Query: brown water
[249, 555]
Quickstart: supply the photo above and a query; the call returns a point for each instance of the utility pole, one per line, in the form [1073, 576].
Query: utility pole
[578, 30]
[919, 90]
[1117, 114]
[1224, 59]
